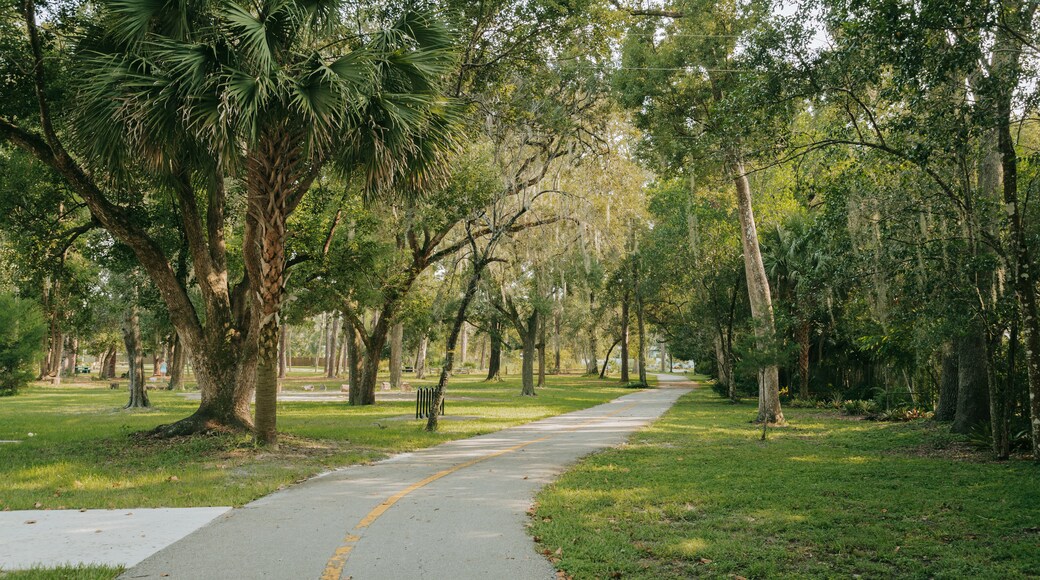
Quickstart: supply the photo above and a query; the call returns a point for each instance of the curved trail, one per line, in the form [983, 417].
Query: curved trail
[456, 510]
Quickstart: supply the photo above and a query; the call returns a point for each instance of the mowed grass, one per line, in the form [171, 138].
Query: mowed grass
[84, 453]
[698, 495]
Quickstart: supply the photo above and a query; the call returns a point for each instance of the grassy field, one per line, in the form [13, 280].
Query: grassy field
[698, 495]
[83, 453]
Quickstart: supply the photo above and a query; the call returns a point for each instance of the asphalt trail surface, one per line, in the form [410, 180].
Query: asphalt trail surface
[456, 510]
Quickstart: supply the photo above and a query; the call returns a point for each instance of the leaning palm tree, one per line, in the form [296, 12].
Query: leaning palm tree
[268, 93]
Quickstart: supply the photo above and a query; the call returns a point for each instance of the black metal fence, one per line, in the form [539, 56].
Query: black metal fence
[424, 400]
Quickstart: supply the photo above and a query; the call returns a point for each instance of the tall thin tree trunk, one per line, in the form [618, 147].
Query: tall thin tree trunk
[556, 343]
[529, 334]
[464, 345]
[761, 301]
[541, 352]
[332, 348]
[624, 338]
[396, 354]
[593, 365]
[354, 356]
[606, 360]
[420, 357]
[642, 341]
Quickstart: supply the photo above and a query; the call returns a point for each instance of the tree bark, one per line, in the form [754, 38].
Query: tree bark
[606, 360]
[331, 347]
[946, 410]
[541, 352]
[761, 301]
[420, 358]
[396, 354]
[495, 356]
[972, 382]
[529, 333]
[556, 343]
[592, 367]
[624, 338]
[135, 358]
[452, 339]
[464, 345]
[282, 352]
[354, 356]
[176, 364]
[641, 328]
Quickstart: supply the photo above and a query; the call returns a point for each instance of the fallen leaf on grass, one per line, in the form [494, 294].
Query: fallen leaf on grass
[704, 561]
[37, 505]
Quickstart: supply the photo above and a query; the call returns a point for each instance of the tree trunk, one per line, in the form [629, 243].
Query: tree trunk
[135, 358]
[761, 301]
[110, 364]
[396, 354]
[529, 333]
[420, 358]
[354, 356]
[641, 328]
[803, 358]
[946, 410]
[452, 339]
[176, 364]
[556, 343]
[366, 392]
[332, 349]
[664, 361]
[972, 382]
[593, 365]
[72, 356]
[541, 353]
[624, 339]
[606, 360]
[495, 357]
[464, 345]
[483, 351]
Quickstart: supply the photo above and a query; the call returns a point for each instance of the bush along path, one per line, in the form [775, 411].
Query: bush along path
[455, 510]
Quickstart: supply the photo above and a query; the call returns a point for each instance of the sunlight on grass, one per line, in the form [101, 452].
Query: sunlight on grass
[82, 453]
[698, 495]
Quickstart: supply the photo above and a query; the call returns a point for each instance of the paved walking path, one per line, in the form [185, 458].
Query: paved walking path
[453, 511]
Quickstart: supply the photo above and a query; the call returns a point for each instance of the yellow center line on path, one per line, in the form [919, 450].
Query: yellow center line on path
[334, 567]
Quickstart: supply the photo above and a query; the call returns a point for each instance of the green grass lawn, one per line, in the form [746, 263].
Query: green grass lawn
[83, 453]
[698, 495]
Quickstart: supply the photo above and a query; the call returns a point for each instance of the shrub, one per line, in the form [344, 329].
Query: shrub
[22, 330]
[859, 407]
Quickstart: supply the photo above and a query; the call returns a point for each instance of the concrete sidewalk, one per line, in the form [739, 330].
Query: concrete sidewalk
[453, 511]
[110, 537]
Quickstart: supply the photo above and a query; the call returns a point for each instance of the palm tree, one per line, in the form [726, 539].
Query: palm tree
[795, 265]
[268, 93]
